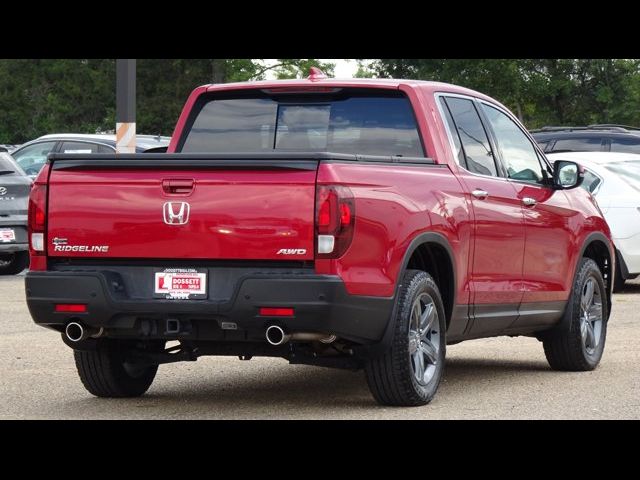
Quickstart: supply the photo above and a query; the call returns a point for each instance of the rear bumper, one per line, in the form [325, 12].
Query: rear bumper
[14, 221]
[13, 247]
[17, 223]
[120, 303]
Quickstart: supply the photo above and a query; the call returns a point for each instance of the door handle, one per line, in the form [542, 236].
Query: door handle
[178, 186]
[480, 194]
[528, 201]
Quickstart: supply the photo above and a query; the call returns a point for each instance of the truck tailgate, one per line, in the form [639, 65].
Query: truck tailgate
[176, 207]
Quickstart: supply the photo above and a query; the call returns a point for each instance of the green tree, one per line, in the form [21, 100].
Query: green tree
[75, 95]
[44, 96]
[164, 85]
[78, 95]
[540, 92]
[364, 70]
[299, 68]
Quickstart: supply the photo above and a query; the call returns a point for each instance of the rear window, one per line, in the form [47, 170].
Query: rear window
[345, 123]
[8, 165]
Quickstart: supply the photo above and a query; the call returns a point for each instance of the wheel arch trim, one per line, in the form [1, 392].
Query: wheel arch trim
[590, 239]
[420, 239]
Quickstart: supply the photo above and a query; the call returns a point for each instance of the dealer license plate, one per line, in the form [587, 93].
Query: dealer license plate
[180, 284]
[7, 235]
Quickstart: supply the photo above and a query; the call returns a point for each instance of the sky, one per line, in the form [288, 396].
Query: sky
[344, 68]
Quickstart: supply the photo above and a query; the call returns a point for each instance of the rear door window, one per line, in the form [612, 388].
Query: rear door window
[451, 128]
[584, 144]
[628, 145]
[475, 142]
[79, 147]
[356, 123]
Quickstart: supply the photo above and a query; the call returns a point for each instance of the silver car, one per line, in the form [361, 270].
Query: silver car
[14, 198]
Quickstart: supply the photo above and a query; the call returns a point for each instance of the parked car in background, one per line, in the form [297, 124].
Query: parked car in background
[32, 155]
[6, 147]
[614, 180]
[14, 195]
[593, 138]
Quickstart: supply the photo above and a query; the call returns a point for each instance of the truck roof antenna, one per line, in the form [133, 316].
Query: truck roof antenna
[316, 74]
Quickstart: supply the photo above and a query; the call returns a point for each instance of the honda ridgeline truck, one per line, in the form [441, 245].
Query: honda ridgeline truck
[360, 224]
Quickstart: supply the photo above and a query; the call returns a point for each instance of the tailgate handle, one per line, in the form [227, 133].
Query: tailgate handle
[178, 186]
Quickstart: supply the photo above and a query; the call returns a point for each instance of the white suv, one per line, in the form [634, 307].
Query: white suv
[614, 180]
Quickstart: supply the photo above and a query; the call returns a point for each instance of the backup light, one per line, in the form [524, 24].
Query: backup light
[37, 242]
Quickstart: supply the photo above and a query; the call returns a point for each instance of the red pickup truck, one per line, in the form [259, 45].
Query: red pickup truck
[340, 223]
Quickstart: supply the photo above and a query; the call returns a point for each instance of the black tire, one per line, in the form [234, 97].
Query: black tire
[565, 348]
[104, 373]
[392, 376]
[14, 263]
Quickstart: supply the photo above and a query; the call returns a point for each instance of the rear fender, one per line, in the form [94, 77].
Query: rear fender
[427, 237]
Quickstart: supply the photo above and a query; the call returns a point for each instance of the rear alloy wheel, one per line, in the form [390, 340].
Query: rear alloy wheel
[409, 373]
[13, 263]
[579, 347]
[424, 339]
[591, 322]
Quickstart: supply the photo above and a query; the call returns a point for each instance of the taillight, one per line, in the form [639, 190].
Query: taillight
[37, 207]
[335, 220]
[37, 219]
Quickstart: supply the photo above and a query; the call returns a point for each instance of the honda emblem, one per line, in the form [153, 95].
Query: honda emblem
[176, 213]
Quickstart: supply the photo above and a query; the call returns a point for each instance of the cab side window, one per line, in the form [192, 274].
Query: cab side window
[451, 127]
[518, 153]
[474, 139]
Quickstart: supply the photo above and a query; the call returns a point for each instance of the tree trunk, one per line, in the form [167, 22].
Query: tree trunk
[218, 70]
[519, 111]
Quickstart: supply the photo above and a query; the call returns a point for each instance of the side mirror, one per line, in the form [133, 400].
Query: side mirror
[567, 174]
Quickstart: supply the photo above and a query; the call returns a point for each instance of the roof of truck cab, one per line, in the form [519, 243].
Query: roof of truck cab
[386, 83]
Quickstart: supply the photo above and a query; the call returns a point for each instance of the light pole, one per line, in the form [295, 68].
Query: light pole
[125, 106]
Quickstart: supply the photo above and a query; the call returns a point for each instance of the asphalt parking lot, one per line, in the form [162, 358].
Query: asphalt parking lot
[500, 378]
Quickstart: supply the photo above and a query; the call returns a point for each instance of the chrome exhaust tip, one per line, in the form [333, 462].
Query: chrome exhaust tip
[276, 336]
[76, 332]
